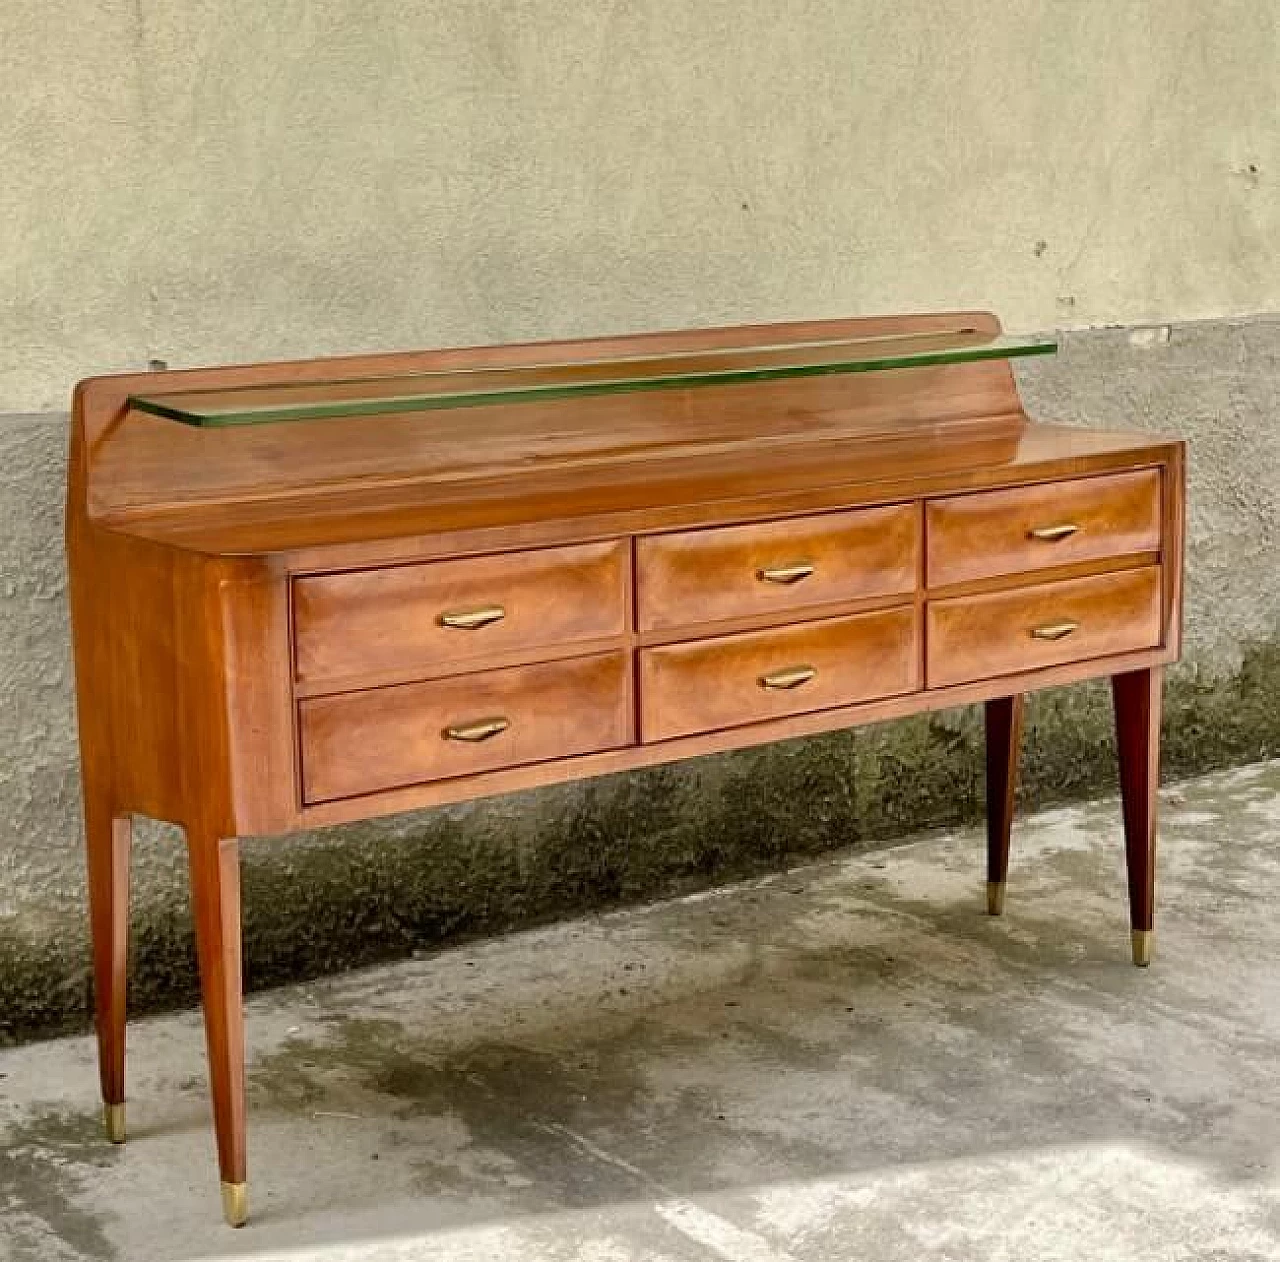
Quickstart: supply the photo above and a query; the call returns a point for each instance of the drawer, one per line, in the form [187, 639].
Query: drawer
[1000, 633]
[700, 576]
[1034, 527]
[408, 618]
[382, 738]
[759, 675]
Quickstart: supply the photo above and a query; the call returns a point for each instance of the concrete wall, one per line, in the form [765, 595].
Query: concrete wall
[202, 180]
[198, 182]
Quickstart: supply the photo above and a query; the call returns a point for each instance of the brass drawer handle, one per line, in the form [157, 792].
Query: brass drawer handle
[481, 730]
[785, 573]
[1054, 631]
[792, 677]
[1052, 534]
[473, 619]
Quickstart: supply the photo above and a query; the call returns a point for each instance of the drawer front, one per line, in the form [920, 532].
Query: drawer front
[699, 576]
[383, 738]
[414, 617]
[758, 675]
[1000, 633]
[1034, 527]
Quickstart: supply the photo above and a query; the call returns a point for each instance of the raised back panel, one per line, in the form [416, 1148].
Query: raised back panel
[141, 464]
[558, 457]
[100, 401]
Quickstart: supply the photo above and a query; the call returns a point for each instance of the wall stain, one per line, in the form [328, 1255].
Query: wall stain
[370, 893]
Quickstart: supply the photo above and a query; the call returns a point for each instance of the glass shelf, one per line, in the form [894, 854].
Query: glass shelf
[428, 391]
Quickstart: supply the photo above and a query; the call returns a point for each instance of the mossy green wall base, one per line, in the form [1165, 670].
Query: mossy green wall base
[386, 889]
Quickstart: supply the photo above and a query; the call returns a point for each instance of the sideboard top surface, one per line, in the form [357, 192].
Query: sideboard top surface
[585, 462]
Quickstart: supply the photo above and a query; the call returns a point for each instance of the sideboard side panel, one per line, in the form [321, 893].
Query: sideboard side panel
[149, 642]
[253, 614]
[1174, 543]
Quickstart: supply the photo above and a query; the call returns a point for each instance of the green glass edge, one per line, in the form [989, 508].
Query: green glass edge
[1008, 349]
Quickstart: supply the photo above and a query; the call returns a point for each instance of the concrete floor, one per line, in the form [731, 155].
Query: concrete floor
[845, 1061]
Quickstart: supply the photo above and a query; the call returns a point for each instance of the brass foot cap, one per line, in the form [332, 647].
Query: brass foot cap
[1142, 947]
[235, 1204]
[113, 1121]
[995, 898]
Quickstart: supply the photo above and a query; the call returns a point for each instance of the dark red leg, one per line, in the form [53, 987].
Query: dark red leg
[108, 841]
[1004, 729]
[1137, 697]
[215, 903]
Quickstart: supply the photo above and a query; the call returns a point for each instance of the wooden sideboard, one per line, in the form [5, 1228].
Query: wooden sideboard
[308, 593]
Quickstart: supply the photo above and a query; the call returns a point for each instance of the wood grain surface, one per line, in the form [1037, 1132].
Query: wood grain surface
[979, 637]
[395, 620]
[777, 567]
[361, 742]
[1034, 527]
[721, 682]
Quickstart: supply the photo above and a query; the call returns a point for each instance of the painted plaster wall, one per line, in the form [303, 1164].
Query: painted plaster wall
[199, 182]
[205, 180]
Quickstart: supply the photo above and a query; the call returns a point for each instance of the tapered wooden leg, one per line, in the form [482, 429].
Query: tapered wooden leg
[1137, 697]
[1004, 731]
[108, 841]
[215, 903]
